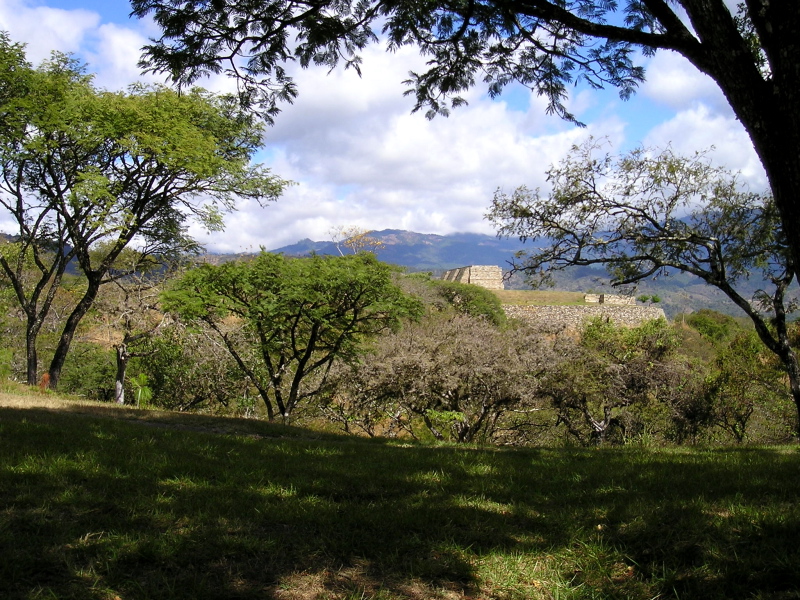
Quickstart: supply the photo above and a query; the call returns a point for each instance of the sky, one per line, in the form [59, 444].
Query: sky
[359, 158]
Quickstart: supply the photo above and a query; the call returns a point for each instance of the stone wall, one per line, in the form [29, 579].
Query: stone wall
[573, 317]
[487, 276]
[610, 299]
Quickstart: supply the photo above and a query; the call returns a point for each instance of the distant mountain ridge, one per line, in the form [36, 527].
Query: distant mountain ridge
[678, 292]
[425, 251]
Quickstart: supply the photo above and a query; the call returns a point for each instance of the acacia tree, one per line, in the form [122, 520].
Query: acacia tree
[642, 214]
[129, 306]
[84, 173]
[354, 240]
[463, 377]
[286, 320]
[747, 378]
[603, 382]
[751, 52]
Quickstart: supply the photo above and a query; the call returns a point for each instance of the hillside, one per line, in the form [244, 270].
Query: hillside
[176, 507]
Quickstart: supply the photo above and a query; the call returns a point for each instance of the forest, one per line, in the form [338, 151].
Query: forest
[351, 344]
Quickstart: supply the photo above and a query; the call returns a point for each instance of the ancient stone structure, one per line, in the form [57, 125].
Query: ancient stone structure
[610, 299]
[487, 276]
[573, 317]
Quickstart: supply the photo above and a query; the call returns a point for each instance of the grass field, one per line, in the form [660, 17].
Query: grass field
[105, 503]
[540, 297]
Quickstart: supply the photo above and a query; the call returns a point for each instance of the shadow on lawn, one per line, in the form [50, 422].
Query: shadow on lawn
[102, 509]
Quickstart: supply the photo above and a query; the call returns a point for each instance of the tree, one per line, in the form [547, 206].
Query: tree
[602, 383]
[130, 307]
[286, 320]
[84, 169]
[461, 298]
[747, 378]
[643, 213]
[187, 367]
[464, 378]
[546, 45]
[354, 240]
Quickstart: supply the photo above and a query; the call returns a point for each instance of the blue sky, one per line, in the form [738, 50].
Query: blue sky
[359, 157]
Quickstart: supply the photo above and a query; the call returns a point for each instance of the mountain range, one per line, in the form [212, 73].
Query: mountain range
[677, 292]
[424, 252]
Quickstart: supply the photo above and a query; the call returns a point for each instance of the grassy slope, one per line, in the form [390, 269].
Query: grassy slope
[94, 506]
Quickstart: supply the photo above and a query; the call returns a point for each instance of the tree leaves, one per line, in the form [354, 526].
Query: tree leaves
[286, 320]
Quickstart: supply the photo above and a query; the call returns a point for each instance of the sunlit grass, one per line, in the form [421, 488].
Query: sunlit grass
[100, 507]
[540, 297]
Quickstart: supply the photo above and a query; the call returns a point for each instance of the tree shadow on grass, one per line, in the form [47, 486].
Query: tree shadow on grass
[97, 508]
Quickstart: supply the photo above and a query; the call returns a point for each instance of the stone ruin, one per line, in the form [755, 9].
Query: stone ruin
[572, 318]
[609, 299]
[622, 310]
[487, 276]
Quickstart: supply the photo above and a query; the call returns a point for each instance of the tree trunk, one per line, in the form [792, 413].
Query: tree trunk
[74, 319]
[769, 110]
[122, 365]
[31, 357]
[767, 106]
[793, 371]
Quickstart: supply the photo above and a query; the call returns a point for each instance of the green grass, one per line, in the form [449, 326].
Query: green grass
[99, 507]
[540, 297]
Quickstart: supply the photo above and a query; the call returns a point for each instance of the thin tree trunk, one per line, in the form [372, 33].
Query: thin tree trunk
[122, 365]
[31, 357]
[71, 325]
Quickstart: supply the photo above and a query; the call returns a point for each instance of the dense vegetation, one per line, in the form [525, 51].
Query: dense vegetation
[351, 344]
[86, 174]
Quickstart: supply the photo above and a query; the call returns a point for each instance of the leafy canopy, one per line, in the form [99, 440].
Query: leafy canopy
[532, 43]
[86, 172]
[645, 213]
[285, 320]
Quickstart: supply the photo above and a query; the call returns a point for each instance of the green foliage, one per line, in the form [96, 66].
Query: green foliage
[655, 339]
[473, 300]
[89, 371]
[186, 371]
[607, 387]
[713, 325]
[6, 358]
[748, 385]
[285, 320]
[86, 171]
[141, 391]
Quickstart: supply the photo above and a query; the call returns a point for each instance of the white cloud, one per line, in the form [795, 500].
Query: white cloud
[362, 159]
[45, 29]
[673, 81]
[116, 56]
[700, 129]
